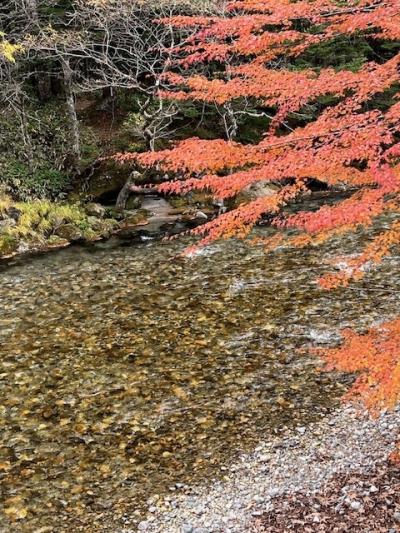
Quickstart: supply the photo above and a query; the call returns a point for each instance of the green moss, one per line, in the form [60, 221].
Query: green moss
[8, 244]
[89, 234]
[39, 220]
[55, 240]
[5, 203]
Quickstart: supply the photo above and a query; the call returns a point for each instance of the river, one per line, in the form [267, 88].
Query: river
[126, 372]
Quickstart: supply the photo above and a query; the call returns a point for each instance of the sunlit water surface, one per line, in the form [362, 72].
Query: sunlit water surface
[124, 372]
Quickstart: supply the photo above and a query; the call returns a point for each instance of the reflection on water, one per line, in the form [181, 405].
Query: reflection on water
[124, 372]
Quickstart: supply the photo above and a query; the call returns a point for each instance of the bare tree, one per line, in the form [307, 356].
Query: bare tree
[134, 52]
[96, 45]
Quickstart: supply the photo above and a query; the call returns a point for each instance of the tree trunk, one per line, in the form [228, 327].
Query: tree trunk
[25, 132]
[126, 191]
[71, 111]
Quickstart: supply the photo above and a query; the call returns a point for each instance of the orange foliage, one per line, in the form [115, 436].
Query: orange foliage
[350, 142]
[375, 356]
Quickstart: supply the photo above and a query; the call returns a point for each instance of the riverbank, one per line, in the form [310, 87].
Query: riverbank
[263, 490]
[41, 225]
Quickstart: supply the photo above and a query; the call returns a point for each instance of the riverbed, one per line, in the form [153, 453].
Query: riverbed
[128, 371]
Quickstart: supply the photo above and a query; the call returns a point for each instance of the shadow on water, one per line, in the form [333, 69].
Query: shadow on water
[124, 373]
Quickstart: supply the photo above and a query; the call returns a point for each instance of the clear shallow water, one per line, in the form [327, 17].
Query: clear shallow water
[124, 372]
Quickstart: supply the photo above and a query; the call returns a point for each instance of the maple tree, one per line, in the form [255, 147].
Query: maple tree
[349, 140]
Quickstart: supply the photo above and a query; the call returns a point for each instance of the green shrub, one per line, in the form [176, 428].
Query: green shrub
[40, 165]
[43, 182]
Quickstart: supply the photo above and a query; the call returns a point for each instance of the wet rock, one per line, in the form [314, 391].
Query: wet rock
[54, 241]
[14, 213]
[132, 233]
[133, 219]
[134, 202]
[114, 213]
[95, 210]
[69, 232]
[201, 216]
[49, 412]
[24, 247]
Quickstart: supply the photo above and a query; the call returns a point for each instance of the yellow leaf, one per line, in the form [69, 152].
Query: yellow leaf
[16, 513]
[179, 392]
[105, 469]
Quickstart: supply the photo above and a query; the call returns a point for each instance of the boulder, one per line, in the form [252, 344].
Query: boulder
[95, 223]
[134, 202]
[201, 216]
[134, 218]
[95, 210]
[69, 232]
[54, 241]
[259, 189]
[7, 223]
[115, 214]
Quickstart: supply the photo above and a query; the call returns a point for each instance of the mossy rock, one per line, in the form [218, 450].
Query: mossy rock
[69, 232]
[110, 223]
[134, 202]
[179, 202]
[112, 213]
[95, 210]
[107, 183]
[260, 189]
[101, 228]
[135, 218]
[54, 241]
[95, 224]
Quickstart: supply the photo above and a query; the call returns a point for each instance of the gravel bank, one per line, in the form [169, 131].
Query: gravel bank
[303, 459]
[363, 502]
